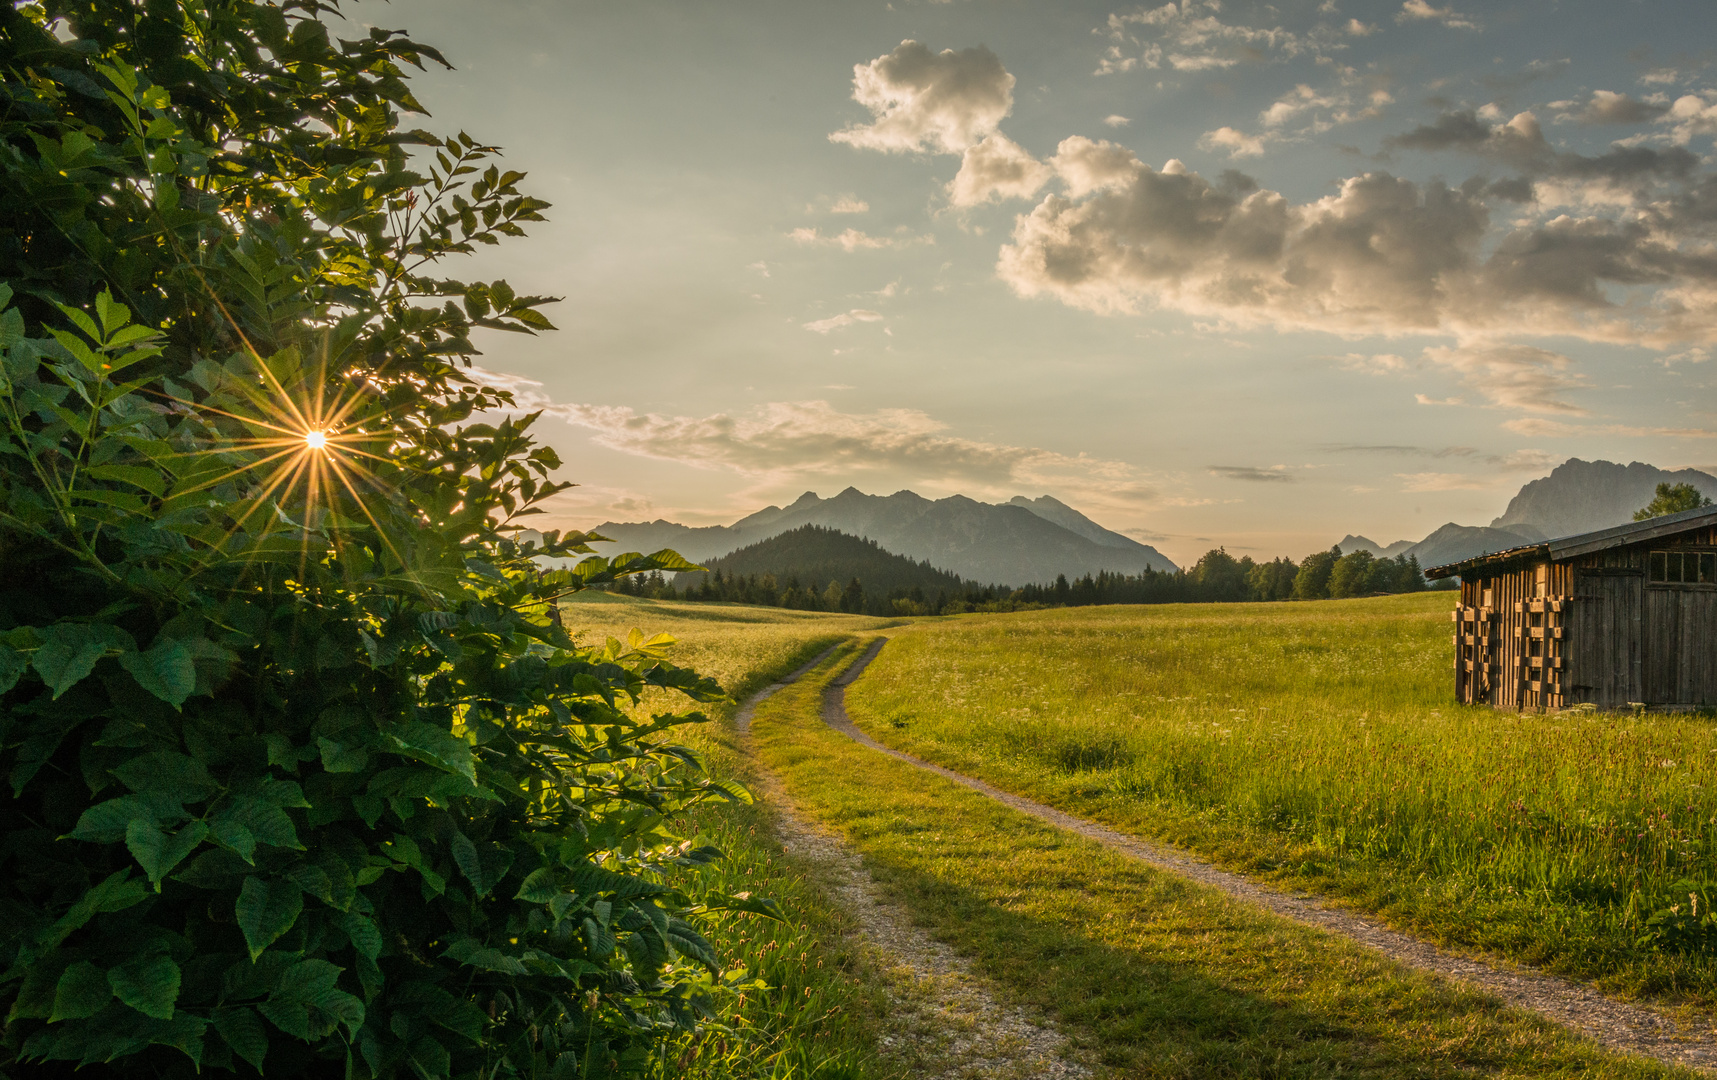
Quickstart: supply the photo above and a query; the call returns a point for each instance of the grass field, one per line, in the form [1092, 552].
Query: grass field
[1318, 744]
[822, 1015]
[1148, 974]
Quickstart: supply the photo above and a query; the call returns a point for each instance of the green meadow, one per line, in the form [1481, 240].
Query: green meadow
[1318, 745]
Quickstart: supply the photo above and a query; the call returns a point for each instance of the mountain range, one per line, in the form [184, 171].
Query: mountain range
[1015, 543]
[1578, 496]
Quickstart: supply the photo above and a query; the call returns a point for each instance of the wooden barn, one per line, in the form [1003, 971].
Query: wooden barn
[1614, 618]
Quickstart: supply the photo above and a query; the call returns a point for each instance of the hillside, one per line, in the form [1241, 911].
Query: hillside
[1581, 496]
[1014, 543]
[816, 556]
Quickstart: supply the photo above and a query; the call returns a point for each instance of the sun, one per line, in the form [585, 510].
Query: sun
[315, 440]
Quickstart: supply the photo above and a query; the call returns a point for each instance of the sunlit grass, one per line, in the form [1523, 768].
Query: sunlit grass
[1319, 744]
[820, 1017]
[1149, 974]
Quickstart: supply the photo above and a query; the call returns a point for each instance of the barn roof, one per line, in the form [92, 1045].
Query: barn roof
[1568, 547]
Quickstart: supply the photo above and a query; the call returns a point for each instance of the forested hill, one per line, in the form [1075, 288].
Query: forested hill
[815, 556]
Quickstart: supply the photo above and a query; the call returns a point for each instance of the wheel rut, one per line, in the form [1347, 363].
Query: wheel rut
[945, 1022]
[1617, 1025]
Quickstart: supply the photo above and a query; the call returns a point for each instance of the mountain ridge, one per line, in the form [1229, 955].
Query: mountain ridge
[1020, 542]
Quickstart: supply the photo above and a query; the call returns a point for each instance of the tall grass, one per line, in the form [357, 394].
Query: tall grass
[820, 1015]
[1320, 743]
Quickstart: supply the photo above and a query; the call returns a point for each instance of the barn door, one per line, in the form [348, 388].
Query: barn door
[1606, 630]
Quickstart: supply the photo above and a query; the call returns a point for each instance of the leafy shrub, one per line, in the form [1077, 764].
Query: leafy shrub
[304, 773]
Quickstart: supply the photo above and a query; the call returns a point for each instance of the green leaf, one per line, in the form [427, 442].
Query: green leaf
[158, 852]
[82, 991]
[70, 650]
[168, 772]
[151, 985]
[108, 822]
[539, 887]
[168, 670]
[470, 951]
[266, 910]
[242, 1030]
[12, 667]
[437, 746]
[342, 759]
[364, 935]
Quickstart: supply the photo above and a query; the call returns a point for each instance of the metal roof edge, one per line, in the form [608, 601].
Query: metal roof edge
[1633, 532]
[1568, 547]
[1506, 555]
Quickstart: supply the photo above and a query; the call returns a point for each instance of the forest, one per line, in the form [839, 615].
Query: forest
[818, 569]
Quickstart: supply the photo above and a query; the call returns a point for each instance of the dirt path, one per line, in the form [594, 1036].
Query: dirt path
[944, 1022]
[1616, 1025]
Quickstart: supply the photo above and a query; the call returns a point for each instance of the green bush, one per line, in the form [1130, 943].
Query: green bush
[304, 774]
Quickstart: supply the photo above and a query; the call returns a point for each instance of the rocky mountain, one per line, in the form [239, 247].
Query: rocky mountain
[1015, 543]
[1581, 496]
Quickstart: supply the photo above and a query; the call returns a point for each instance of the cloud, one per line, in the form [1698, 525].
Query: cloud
[1512, 376]
[851, 240]
[942, 102]
[1437, 481]
[1371, 258]
[1426, 399]
[1355, 28]
[997, 168]
[1191, 36]
[1608, 107]
[1382, 254]
[847, 318]
[1374, 363]
[1237, 143]
[1116, 121]
[1692, 115]
[781, 440]
[1273, 474]
[1420, 10]
[1520, 144]
[849, 204]
[1537, 427]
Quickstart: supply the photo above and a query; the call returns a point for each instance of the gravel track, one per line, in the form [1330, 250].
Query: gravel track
[1617, 1025]
[945, 1022]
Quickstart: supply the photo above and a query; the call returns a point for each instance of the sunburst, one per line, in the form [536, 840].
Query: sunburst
[305, 450]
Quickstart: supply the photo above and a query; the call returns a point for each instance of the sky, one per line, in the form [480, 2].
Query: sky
[1256, 275]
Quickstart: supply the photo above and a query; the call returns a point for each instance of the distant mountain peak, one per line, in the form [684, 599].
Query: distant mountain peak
[1012, 543]
[1582, 496]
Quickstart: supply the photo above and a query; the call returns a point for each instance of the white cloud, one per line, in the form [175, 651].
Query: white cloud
[1439, 481]
[1426, 399]
[854, 239]
[1381, 255]
[1191, 36]
[1692, 115]
[849, 204]
[785, 439]
[1116, 121]
[846, 318]
[1419, 9]
[1237, 143]
[1538, 427]
[760, 267]
[997, 168]
[1374, 363]
[1512, 376]
[942, 102]
[1355, 28]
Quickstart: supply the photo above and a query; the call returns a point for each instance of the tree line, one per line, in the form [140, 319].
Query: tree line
[1218, 577]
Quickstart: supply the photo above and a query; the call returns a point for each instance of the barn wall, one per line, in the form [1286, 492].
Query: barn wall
[1509, 637]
